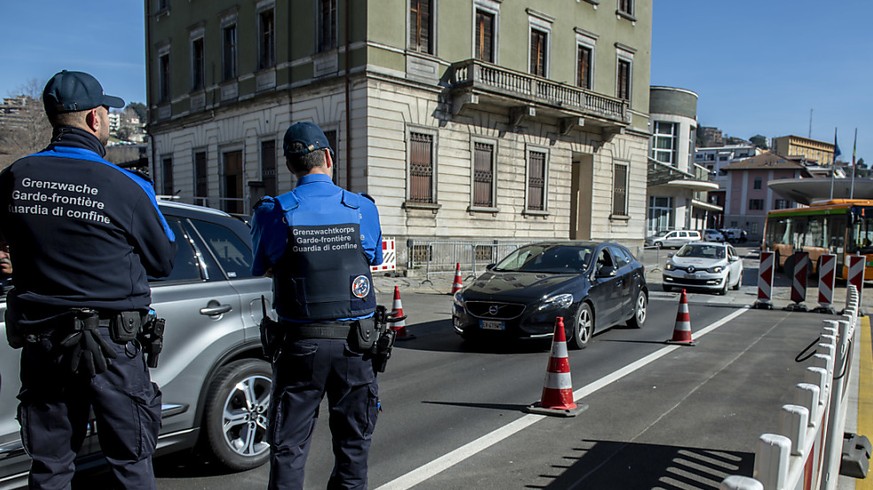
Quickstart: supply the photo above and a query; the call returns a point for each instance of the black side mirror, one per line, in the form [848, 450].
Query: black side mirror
[489, 267]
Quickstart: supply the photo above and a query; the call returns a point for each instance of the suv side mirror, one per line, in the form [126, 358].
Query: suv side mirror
[489, 267]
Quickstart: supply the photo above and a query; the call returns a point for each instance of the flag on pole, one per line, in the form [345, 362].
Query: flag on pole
[855, 147]
[837, 151]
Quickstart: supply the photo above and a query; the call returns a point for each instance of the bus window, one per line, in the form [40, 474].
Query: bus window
[837, 227]
[815, 233]
[862, 234]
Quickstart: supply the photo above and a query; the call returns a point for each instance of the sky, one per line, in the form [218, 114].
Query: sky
[769, 67]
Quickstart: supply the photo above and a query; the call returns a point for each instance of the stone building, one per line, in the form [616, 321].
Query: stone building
[466, 120]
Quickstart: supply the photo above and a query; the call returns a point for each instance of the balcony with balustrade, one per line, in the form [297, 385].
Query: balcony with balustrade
[474, 82]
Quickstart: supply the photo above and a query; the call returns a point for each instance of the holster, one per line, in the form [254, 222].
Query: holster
[272, 334]
[14, 331]
[363, 335]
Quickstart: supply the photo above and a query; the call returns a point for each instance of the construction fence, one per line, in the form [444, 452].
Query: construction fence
[427, 259]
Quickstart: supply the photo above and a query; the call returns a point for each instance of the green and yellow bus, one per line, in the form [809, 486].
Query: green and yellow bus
[838, 226]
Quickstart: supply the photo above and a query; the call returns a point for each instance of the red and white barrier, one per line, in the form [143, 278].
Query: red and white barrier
[827, 276]
[389, 257]
[855, 277]
[765, 282]
[798, 281]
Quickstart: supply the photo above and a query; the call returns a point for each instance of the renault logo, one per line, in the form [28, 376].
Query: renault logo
[690, 268]
[493, 309]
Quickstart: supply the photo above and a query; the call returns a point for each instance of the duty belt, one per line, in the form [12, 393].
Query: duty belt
[317, 330]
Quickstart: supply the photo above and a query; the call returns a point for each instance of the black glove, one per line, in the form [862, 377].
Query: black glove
[90, 351]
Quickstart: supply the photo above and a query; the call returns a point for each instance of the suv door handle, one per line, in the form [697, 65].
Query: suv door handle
[214, 308]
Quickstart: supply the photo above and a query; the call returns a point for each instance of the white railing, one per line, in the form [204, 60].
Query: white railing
[482, 75]
[807, 453]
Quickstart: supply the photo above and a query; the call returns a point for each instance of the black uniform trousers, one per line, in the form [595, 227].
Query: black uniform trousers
[303, 372]
[55, 405]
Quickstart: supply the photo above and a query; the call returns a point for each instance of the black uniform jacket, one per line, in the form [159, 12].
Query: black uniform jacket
[82, 232]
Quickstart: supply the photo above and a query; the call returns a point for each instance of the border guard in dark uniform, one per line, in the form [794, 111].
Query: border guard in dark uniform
[83, 235]
[318, 242]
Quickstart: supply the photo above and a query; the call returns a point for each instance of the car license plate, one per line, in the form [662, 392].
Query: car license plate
[491, 325]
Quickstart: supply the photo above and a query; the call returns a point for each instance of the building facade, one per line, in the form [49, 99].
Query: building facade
[748, 198]
[813, 151]
[464, 119]
[677, 187]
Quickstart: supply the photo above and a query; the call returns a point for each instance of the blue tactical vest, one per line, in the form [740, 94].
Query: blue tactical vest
[324, 273]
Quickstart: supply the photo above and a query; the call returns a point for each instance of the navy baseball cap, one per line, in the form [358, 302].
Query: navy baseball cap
[307, 134]
[71, 91]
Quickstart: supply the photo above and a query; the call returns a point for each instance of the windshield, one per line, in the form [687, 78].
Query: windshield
[559, 259]
[701, 251]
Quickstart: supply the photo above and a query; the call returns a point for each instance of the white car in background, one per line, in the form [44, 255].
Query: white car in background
[712, 235]
[704, 265]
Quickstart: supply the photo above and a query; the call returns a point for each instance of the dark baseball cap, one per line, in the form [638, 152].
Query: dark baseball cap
[71, 91]
[307, 134]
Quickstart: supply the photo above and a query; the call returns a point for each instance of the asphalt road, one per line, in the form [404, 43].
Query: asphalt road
[658, 416]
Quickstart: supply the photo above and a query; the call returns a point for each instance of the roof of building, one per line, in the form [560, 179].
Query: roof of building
[765, 161]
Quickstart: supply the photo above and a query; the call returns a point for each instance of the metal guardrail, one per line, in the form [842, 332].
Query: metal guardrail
[441, 257]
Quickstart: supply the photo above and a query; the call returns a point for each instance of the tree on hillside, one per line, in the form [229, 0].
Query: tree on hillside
[140, 109]
[760, 141]
[27, 130]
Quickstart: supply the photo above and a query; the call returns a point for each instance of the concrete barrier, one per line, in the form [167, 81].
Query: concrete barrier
[806, 455]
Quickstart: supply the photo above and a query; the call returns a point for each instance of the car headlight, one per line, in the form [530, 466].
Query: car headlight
[458, 300]
[717, 269]
[557, 301]
[669, 266]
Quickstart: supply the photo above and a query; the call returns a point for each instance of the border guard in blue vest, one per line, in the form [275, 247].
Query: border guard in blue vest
[83, 235]
[318, 242]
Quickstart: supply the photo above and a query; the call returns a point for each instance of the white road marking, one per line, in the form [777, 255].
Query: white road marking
[446, 461]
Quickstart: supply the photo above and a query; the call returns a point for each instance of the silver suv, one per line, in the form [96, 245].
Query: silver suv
[673, 239]
[215, 383]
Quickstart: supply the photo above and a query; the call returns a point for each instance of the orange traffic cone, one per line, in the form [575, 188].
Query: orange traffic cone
[557, 396]
[682, 330]
[459, 283]
[397, 312]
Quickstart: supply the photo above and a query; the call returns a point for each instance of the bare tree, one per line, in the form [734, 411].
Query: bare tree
[25, 129]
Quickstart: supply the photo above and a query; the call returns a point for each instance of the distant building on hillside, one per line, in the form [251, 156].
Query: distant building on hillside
[709, 136]
[814, 151]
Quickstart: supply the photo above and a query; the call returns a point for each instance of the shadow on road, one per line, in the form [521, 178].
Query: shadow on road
[635, 466]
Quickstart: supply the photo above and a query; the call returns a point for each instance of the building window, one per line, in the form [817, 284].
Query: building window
[583, 67]
[421, 26]
[781, 204]
[201, 179]
[664, 138]
[485, 29]
[229, 48]
[421, 168]
[756, 204]
[198, 62]
[619, 189]
[757, 183]
[266, 39]
[536, 181]
[268, 167]
[167, 175]
[538, 52]
[337, 170]
[483, 175]
[232, 188]
[164, 77]
[327, 25]
[623, 79]
[660, 214]
[626, 7]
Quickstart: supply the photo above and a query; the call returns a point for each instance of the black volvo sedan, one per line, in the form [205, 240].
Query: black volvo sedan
[592, 285]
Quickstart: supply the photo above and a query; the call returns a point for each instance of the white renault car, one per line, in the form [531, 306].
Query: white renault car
[704, 265]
